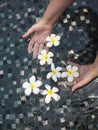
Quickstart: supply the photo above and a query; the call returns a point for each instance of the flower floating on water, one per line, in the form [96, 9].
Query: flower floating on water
[45, 57]
[50, 93]
[32, 86]
[71, 73]
[53, 40]
[55, 72]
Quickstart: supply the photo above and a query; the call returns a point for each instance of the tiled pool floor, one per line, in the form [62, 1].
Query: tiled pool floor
[74, 111]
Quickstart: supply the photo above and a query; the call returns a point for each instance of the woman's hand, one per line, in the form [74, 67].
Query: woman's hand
[40, 31]
[87, 74]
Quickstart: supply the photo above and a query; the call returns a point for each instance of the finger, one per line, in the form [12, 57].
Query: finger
[79, 84]
[72, 63]
[40, 48]
[64, 69]
[30, 31]
[85, 77]
[65, 83]
[62, 83]
[35, 50]
[47, 49]
[30, 46]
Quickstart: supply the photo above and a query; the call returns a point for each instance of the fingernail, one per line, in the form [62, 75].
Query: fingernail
[73, 90]
[23, 35]
[29, 52]
[34, 57]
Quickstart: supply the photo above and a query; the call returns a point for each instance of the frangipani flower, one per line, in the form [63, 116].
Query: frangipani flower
[55, 72]
[45, 57]
[71, 73]
[50, 93]
[53, 40]
[32, 86]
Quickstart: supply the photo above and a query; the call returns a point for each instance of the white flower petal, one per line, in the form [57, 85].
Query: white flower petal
[53, 35]
[32, 79]
[49, 75]
[75, 68]
[68, 67]
[55, 89]
[42, 62]
[49, 61]
[25, 85]
[49, 44]
[36, 90]
[44, 92]
[58, 74]
[58, 68]
[43, 52]
[38, 83]
[40, 57]
[76, 74]
[50, 54]
[54, 78]
[56, 43]
[48, 87]
[56, 97]
[70, 78]
[58, 37]
[47, 99]
[64, 74]
[28, 91]
[48, 38]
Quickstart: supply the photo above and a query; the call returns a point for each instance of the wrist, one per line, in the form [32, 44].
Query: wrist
[46, 21]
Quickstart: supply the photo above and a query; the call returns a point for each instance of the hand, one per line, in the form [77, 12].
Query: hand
[87, 74]
[41, 30]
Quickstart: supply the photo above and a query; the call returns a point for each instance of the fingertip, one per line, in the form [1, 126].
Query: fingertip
[29, 51]
[30, 48]
[24, 35]
[77, 86]
[34, 56]
[73, 89]
[47, 49]
[60, 83]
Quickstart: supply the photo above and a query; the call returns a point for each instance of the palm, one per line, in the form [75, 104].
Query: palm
[86, 75]
[36, 44]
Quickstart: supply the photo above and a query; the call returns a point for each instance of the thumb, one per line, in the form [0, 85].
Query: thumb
[30, 31]
[86, 79]
[79, 84]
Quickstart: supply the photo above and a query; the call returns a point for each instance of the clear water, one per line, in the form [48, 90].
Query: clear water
[74, 111]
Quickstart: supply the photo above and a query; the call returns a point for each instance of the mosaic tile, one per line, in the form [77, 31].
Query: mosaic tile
[78, 30]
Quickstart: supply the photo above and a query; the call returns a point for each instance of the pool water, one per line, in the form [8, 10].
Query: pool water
[78, 28]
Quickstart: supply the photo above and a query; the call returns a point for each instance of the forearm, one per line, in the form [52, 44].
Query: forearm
[95, 65]
[96, 61]
[55, 9]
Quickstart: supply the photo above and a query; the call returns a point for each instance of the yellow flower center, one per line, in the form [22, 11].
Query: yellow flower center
[50, 92]
[70, 72]
[32, 86]
[54, 72]
[46, 57]
[53, 40]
